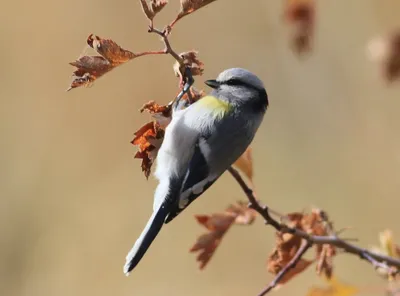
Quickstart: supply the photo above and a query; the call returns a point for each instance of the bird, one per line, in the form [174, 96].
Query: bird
[200, 143]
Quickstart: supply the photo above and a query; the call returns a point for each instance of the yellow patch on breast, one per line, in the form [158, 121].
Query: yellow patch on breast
[218, 106]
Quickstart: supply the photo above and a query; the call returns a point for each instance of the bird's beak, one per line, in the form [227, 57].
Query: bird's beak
[212, 83]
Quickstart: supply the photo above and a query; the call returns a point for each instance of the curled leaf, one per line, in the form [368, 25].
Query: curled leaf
[301, 266]
[191, 60]
[162, 114]
[387, 247]
[155, 7]
[243, 214]
[190, 6]
[287, 245]
[217, 225]
[148, 139]
[90, 68]
[300, 15]
[325, 256]
[110, 50]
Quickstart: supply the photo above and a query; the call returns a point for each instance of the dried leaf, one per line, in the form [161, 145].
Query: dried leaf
[158, 5]
[90, 68]
[191, 60]
[300, 15]
[190, 6]
[386, 51]
[299, 268]
[287, 245]
[286, 248]
[389, 248]
[245, 164]
[110, 50]
[325, 256]
[146, 9]
[161, 113]
[155, 7]
[217, 225]
[148, 139]
[335, 288]
[316, 223]
[206, 244]
[243, 214]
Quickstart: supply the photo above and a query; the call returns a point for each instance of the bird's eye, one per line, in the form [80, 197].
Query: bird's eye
[233, 82]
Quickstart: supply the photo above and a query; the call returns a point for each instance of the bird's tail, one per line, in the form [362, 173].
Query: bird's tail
[147, 236]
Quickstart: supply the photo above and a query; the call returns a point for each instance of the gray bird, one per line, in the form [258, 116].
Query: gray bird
[200, 144]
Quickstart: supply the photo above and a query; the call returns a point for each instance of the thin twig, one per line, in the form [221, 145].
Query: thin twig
[314, 239]
[378, 265]
[151, 52]
[168, 49]
[292, 264]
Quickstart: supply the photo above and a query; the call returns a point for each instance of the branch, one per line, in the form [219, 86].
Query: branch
[306, 245]
[377, 260]
[168, 49]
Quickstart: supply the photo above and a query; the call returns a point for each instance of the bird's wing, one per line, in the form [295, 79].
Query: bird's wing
[196, 181]
[213, 154]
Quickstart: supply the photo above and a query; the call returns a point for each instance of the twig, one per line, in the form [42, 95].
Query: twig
[375, 263]
[168, 49]
[374, 258]
[152, 52]
[292, 264]
[263, 211]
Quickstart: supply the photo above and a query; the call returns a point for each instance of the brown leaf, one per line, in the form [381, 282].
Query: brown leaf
[158, 5]
[386, 51]
[206, 244]
[155, 7]
[90, 68]
[190, 6]
[389, 248]
[147, 10]
[191, 60]
[300, 15]
[245, 164]
[316, 223]
[299, 268]
[217, 225]
[243, 214]
[110, 50]
[148, 139]
[325, 260]
[287, 245]
[162, 114]
[286, 248]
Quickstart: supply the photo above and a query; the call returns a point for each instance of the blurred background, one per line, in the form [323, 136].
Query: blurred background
[73, 198]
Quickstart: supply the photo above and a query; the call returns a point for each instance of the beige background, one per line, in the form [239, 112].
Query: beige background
[73, 199]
